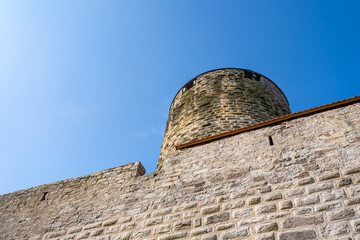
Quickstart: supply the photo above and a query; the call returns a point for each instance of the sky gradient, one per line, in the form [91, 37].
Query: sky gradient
[86, 85]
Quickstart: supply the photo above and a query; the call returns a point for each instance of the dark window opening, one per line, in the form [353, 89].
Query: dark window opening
[188, 85]
[43, 196]
[271, 142]
[252, 75]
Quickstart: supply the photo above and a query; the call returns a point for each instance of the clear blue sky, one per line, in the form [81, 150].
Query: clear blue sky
[86, 85]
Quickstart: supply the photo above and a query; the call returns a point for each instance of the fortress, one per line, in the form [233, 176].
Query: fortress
[235, 163]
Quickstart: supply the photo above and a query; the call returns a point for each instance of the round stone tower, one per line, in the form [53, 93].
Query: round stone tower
[218, 101]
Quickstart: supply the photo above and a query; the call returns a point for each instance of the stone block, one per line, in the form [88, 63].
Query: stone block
[272, 197]
[306, 181]
[263, 209]
[217, 218]
[233, 205]
[302, 221]
[244, 213]
[266, 227]
[162, 229]
[234, 234]
[346, 213]
[254, 200]
[209, 210]
[224, 226]
[300, 234]
[186, 224]
[334, 229]
[287, 204]
[268, 236]
[308, 200]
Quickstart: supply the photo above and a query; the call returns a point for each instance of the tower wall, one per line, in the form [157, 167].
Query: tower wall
[219, 101]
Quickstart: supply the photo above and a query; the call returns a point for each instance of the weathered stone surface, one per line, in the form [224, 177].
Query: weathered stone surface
[209, 210]
[217, 218]
[334, 229]
[224, 226]
[233, 205]
[244, 213]
[220, 101]
[306, 181]
[254, 200]
[302, 221]
[200, 231]
[272, 197]
[267, 227]
[265, 209]
[309, 200]
[298, 235]
[231, 186]
[345, 213]
[285, 205]
[234, 234]
[182, 225]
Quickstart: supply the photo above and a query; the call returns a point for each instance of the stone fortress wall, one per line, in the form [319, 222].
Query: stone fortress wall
[218, 101]
[304, 186]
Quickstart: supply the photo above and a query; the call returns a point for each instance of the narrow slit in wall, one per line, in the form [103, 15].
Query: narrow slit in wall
[271, 142]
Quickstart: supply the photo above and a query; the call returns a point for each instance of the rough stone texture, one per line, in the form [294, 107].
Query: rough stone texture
[239, 187]
[221, 100]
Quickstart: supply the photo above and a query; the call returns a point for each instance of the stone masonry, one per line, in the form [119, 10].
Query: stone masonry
[219, 101]
[306, 185]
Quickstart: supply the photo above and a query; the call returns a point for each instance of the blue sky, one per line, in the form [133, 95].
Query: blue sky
[86, 85]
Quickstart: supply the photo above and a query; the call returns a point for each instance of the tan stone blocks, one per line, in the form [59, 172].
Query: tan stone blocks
[334, 229]
[182, 225]
[333, 195]
[234, 234]
[302, 221]
[352, 201]
[345, 213]
[186, 207]
[161, 212]
[172, 217]
[328, 175]
[142, 233]
[294, 192]
[351, 170]
[200, 231]
[308, 233]
[254, 200]
[306, 181]
[268, 236]
[162, 229]
[320, 187]
[263, 209]
[57, 234]
[109, 222]
[272, 197]
[210, 209]
[266, 227]
[344, 182]
[217, 218]
[173, 236]
[154, 221]
[308, 200]
[243, 213]
[287, 204]
[91, 226]
[128, 226]
[233, 205]
[122, 236]
[225, 226]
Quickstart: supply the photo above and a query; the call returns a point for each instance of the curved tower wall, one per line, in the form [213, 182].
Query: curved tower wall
[219, 101]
